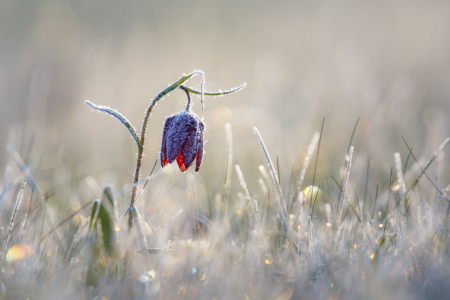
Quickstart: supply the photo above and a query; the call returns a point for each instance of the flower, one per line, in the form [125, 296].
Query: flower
[182, 140]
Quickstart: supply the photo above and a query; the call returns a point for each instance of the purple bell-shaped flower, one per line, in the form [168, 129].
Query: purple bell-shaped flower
[183, 139]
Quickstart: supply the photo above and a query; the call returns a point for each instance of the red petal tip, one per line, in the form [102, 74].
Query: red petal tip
[181, 163]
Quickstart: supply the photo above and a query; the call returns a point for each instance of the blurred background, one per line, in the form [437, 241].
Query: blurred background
[385, 62]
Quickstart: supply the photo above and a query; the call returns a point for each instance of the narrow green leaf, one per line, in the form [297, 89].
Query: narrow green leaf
[108, 194]
[108, 231]
[104, 243]
[119, 117]
[103, 212]
[219, 93]
[93, 248]
[94, 214]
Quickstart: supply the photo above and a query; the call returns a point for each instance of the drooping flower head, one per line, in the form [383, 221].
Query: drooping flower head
[183, 139]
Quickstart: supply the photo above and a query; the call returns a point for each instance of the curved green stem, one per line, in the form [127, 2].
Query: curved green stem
[189, 105]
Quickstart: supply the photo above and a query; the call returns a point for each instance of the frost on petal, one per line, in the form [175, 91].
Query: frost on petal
[199, 155]
[163, 153]
[183, 140]
[189, 149]
[176, 135]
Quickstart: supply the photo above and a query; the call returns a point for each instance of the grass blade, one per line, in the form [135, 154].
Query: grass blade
[401, 182]
[349, 165]
[309, 154]
[94, 214]
[435, 154]
[280, 203]
[107, 215]
[73, 241]
[253, 208]
[273, 172]
[13, 215]
[24, 169]
[229, 155]
[140, 234]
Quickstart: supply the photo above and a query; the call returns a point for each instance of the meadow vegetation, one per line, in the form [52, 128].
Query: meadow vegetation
[276, 240]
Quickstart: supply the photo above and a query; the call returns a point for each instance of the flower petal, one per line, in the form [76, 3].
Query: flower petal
[163, 153]
[189, 149]
[199, 155]
[176, 135]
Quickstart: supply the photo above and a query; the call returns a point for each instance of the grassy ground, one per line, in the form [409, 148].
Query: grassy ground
[274, 240]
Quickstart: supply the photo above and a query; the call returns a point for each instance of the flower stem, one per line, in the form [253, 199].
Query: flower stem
[188, 106]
